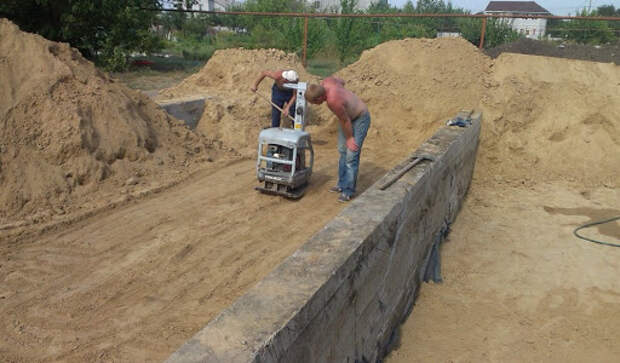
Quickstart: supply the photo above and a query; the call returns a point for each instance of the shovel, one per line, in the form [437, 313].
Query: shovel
[274, 105]
[415, 161]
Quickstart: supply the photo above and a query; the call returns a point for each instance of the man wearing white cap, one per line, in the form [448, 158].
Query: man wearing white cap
[280, 96]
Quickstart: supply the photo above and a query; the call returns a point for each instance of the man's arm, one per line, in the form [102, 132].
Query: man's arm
[345, 123]
[290, 103]
[271, 74]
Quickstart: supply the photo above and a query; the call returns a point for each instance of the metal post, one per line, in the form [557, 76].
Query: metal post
[484, 29]
[305, 39]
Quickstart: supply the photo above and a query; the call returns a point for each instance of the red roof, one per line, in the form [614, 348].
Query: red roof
[528, 7]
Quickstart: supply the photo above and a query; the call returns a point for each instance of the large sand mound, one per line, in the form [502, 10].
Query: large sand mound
[69, 134]
[412, 86]
[415, 81]
[233, 114]
[549, 118]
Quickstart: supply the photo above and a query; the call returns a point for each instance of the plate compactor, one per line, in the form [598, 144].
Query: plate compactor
[285, 156]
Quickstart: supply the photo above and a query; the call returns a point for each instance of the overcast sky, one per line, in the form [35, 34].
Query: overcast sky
[556, 7]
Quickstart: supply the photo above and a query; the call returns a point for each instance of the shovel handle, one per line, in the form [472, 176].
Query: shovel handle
[274, 105]
[416, 160]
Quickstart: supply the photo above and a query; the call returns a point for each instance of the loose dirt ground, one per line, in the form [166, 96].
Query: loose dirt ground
[132, 283]
[518, 286]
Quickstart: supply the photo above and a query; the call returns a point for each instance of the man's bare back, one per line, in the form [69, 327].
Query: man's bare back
[339, 98]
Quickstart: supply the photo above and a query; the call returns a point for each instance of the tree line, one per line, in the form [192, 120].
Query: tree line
[107, 31]
[344, 38]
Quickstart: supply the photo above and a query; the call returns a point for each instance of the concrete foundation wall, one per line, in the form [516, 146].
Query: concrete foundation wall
[341, 296]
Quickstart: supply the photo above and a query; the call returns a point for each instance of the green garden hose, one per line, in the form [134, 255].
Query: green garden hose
[594, 224]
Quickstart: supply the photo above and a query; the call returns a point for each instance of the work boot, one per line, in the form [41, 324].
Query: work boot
[335, 189]
[344, 198]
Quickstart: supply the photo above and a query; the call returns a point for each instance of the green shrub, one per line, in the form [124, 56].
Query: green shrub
[113, 59]
[497, 31]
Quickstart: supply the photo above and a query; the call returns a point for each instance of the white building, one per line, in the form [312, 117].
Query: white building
[323, 5]
[531, 28]
[212, 5]
[326, 5]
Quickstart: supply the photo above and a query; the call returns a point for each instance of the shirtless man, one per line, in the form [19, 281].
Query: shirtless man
[353, 122]
[280, 96]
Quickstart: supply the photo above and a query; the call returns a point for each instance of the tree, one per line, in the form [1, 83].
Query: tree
[588, 31]
[428, 27]
[176, 20]
[608, 10]
[103, 30]
[349, 33]
[278, 32]
[498, 32]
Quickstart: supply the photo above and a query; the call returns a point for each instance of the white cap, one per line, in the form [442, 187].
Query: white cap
[290, 76]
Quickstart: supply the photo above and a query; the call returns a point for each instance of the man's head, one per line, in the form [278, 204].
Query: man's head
[315, 94]
[290, 76]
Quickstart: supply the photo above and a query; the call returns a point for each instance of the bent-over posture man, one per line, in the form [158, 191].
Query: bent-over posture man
[353, 122]
[280, 96]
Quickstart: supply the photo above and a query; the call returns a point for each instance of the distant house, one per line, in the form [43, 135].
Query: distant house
[325, 5]
[531, 28]
[448, 34]
[212, 5]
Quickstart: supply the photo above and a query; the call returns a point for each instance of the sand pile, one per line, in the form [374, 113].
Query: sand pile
[418, 80]
[412, 86]
[233, 114]
[70, 136]
[548, 119]
[545, 118]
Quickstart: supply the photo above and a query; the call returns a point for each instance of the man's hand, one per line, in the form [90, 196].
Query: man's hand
[285, 111]
[351, 145]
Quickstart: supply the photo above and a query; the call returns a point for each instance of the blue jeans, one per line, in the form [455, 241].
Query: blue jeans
[280, 97]
[349, 162]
